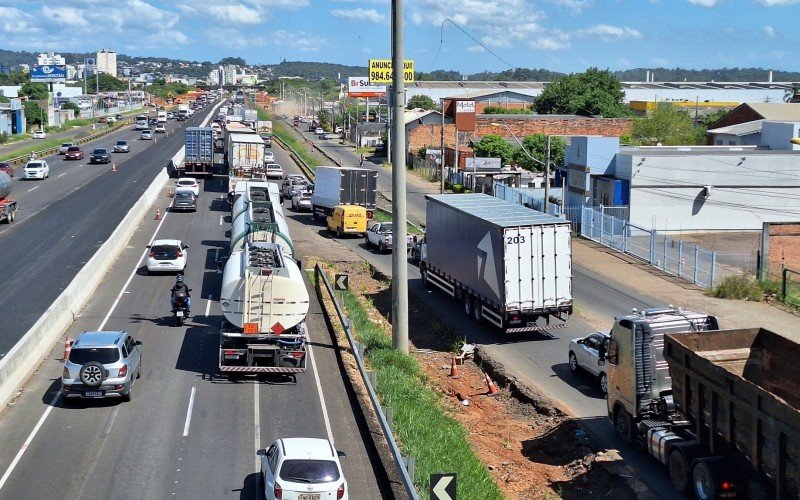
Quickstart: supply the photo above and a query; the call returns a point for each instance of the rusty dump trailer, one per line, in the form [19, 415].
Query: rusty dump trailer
[739, 391]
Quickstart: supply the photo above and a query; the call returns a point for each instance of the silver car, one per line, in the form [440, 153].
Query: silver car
[102, 365]
[584, 356]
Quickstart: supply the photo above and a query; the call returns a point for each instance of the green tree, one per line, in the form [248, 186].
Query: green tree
[34, 114]
[4, 99]
[421, 101]
[668, 126]
[536, 146]
[34, 91]
[500, 110]
[324, 119]
[238, 61]
[71, 105]
[494, 146]
[710, 118]
[594, 92]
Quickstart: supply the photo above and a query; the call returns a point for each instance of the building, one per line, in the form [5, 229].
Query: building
[107, 62]
[214, 78]
[50, 59]
[229, 74]
[12, 117]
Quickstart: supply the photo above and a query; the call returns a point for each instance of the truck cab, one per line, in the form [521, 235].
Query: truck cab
[347, 219]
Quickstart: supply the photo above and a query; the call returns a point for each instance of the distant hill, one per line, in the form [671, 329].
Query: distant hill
[315, 70]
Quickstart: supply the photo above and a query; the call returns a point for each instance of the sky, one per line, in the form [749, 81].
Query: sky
[468, 36]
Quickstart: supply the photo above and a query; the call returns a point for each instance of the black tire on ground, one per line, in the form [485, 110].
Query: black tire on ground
[468, 305]
[423, 276]
[477, 311]
[380, 247]
[339, 233]
[623, 424]
[679, 473]
[127, 397]
[573, 362]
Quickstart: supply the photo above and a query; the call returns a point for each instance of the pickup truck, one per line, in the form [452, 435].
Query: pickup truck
[379, 234]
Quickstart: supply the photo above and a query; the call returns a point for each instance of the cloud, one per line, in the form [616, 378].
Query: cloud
[370, 15]
[476, 48]
[607, 33]
[576, 5]
[769, 31]
[705, 3]
[555, 40]
[778, 3]
[64, 16]
[234, 14]
[13, 21]
[299, 40]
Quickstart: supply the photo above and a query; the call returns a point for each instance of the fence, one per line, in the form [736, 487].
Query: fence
[790, 287]
[405, 464]
[428, 170]
[702, 267]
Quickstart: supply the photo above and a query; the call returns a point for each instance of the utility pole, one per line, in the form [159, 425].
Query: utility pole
[547, 179]
[399, 264]
[441, 149]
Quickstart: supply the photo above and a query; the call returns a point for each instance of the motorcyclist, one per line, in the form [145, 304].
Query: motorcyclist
[32, 156]
[180, 288]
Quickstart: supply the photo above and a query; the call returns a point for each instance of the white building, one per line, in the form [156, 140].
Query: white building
[214, 77]
[50, 59]
[229, 73]
[107, 62]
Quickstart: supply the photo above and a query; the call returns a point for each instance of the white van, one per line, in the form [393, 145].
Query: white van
[162, 117]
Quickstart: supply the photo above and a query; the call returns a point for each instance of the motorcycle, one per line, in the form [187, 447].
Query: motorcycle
[181, 309]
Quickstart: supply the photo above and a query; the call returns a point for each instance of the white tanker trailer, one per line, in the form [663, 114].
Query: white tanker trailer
[257, 216]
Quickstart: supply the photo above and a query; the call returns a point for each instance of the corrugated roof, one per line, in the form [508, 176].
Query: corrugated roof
[487, 93]
[739, 129]
[778, 111]
[633, 85]
[498, 212]
[415, 114]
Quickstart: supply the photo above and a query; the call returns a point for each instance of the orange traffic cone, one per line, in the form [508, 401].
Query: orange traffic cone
[492, 388]
[158, 214]
[67, 348]
[113, 167]
[454, 369]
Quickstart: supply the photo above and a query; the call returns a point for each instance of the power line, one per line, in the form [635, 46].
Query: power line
[441, 42]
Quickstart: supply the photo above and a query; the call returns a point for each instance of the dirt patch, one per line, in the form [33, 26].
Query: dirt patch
[532, 449]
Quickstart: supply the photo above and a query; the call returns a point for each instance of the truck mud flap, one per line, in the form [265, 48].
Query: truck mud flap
[261, 369]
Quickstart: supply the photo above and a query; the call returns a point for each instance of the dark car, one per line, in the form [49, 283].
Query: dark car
[7, 167]
[99, 155]
[74, 153]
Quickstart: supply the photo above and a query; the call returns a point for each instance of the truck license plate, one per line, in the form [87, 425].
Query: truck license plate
[309, 496]
[93, 394]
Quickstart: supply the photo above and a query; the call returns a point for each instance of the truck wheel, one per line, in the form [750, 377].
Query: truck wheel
[714, 476]
[339, 233]
[623, 424]
[477, 311]
[703, 481]
[679, 470]
[313, 212]
[468, 305]
[423, 276]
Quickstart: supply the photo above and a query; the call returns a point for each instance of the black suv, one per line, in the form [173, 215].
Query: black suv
[99, 155]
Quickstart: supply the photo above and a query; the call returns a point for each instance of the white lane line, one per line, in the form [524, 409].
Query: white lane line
[61, 175]
[189, 414]
[208, 305]
[33, 188]
[52, 404]
[220, 219]
[111, 420]
[321, 396]
[257, 433]
[28, 441]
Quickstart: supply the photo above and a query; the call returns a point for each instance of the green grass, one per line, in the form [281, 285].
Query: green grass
[422, 428]
[738, 287]
[286, 135]
[381, 216]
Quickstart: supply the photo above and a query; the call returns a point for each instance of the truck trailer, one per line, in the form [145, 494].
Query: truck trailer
[719, 408]
[8, 205]
[509, 265]
[199, 142]
[335, 186]
[244, 159]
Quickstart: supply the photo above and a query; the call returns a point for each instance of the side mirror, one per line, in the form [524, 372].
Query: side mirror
[185, 246]
[190, 289]
[262, 452]
[138, 342]
[341, 454]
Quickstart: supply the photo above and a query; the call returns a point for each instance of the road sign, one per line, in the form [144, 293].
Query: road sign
[341, 282]
[443, 487]
[380, 71]
[48, 73]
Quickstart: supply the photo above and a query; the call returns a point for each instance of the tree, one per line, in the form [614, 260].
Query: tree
[34, 114]
[594, 92]
[74, 107]
[4, 99]
[494, 146]
[536, 146]
[421, 101]
[668, 126]
[238, 61]
[34, 91]
[500, 110]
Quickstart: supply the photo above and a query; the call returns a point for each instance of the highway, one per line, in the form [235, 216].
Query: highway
[187, 433]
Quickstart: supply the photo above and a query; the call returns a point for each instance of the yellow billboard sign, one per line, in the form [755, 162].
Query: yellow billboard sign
[380, 71]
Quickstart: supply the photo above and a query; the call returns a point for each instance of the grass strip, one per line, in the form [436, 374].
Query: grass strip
[381, 216]
[420, 424]
[280, 131]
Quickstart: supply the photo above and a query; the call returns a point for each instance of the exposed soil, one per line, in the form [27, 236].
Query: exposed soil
[529, 453]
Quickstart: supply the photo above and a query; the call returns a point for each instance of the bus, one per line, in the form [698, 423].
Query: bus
[141, 122]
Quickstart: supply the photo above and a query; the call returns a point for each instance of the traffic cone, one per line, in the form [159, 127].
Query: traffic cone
[113, 167]
[158, 214]
[67, 348]
[454, 369]
[492, 388]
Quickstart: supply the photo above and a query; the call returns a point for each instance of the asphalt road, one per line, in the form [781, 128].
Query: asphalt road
[538, 360]
[160, 445]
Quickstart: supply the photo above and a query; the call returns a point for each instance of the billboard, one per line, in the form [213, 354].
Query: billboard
[380, 71]
[483, 164]
[359, 86]
[48, 73]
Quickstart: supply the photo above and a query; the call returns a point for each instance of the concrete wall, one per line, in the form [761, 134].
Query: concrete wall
[776, 135]
[737, 140]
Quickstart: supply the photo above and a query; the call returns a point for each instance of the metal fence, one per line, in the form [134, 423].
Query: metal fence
[702, 267]
[428, 170]
[790, 287]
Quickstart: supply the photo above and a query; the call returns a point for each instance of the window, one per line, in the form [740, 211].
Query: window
[309, 471]
[613, 352]
[104, 355]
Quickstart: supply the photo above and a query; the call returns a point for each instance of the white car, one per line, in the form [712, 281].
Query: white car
[39, 134]
[37, 169]
[62, 150]
[269, 157]
[274, 171]
[319, 131]
[302, 468]
[146, 135]
[379, 234]
[584, 356]
[167, 255]
[190, 184]
[161, 129]
[301, 201]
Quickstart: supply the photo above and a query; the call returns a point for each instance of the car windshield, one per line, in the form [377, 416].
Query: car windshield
[104, 355]
[99, 152]
[386, 227]
[184, 196]
[66, 145]
[34, 164]
[186, 183]
[164, 252]
[122, 143]
[309, 471]
[73, 149]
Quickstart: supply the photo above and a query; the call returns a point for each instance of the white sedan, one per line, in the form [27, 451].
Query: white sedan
[301, 201]
[584, 355]
[39, 134]
[167, 255]
[274, 171]
[269, 157]
[302, 468]
[190, 184]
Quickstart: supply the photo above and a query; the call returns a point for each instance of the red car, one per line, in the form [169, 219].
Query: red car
[74, 153]
[7, 167]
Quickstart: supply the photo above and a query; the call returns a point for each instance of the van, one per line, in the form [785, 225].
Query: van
[348, 219]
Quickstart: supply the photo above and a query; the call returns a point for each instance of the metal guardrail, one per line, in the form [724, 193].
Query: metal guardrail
[403, 463]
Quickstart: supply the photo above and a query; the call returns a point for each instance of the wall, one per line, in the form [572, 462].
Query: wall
[584, 157]
[776, 135]
[780, 247]
[737, 140]
[742, 114]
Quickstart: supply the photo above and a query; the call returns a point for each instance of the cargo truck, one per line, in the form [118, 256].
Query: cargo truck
[244, 158]
[250, 116]
[719, 408]
[8, 206]
[334, 186]
[509, 265]
[199, 161]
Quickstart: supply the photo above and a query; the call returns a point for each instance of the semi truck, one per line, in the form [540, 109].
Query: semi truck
[199, 142]
[509, 265]
[264, 299]
[719, 408]
[244, 158]
[335, 186]
[8, 205]
[250, 116]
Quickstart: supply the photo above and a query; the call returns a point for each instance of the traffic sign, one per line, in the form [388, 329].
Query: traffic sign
[341, 282]
[380, 71]
[443, 487]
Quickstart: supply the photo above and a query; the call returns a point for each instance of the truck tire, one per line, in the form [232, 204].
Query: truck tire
[477, 311]
[679, 464]
[468, 305]
[623, 424]
[423, 276]
[339, 233]
[713, 476]
[313, 212]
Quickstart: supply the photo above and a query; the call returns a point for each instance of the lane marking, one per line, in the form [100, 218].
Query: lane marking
[33, 188]
[208, 305]
[257, 430]
[321, 396]
[61, 175]
[189, 414]
[28, 441]
[111, 420]
[220, 220]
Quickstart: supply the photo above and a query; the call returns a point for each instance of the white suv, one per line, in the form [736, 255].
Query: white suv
[302, 468]
[36, 169]
[101, 365]
[167, 255]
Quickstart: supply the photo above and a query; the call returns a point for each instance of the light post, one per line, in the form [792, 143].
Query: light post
[546, 165]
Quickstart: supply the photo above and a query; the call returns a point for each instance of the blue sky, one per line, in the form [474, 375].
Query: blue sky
[560, 35]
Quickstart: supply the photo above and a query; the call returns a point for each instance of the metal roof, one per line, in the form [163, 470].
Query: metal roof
[739, 129]
[777, 111]
[498, 212]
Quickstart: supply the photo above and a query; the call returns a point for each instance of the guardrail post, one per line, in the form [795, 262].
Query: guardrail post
[784, 275]
[713, 267]
[696, 265]
[389, 414]
[410, 465]
[680, 259]
[652, 247]
[373, 378]
[665, 253]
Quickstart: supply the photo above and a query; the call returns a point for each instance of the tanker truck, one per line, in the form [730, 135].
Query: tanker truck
[8, 206]
[263, 298]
